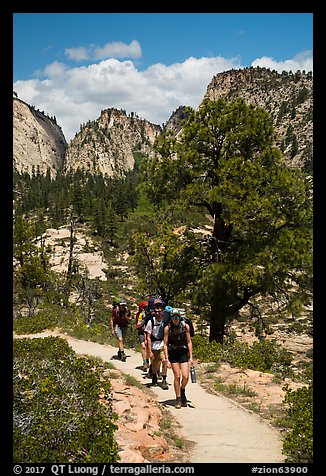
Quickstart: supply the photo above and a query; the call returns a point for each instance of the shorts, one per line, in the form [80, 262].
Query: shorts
[120, 331]
[158, 355]
[178, 355]
[141, 338]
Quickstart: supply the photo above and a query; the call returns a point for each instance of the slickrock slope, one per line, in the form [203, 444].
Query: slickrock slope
[38, 142]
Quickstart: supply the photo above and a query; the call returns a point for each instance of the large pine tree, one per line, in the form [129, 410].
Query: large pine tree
[224, 163]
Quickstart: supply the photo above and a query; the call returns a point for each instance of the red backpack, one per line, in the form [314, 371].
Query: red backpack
[141, 306]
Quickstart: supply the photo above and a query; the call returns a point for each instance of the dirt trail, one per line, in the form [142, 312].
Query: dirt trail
[223, 432]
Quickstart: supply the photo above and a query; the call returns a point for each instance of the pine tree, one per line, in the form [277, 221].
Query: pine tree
[224, 163]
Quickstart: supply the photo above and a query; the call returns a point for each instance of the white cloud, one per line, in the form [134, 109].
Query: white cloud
[77, 54]
[55, 70]
[302, 61]
[115, 49]
[77, 95]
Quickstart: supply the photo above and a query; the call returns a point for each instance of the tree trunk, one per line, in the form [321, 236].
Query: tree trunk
[217, 326]
[71, 250]
[220, 235]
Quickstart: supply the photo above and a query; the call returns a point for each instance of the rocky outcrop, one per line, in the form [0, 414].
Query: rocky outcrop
[38, 142]
[109, 145]
[288, 98]
[139, 424]
[173, 123]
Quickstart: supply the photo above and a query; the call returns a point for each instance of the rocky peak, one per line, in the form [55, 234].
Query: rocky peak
[288, 98]
[173, 123]
[108, 144]
[38, 141]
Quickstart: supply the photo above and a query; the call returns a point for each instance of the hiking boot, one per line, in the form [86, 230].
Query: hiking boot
[164, 385]
[178, 402]
[145, 366]
[154, 379]
[119, 354]
[123, 356]
[183, 397]
[150, 373]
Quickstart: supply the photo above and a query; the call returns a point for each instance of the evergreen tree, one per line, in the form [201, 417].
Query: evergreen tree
[163, 261]
[31, 267]
[111, 224]
[225, 164]
[100, 217]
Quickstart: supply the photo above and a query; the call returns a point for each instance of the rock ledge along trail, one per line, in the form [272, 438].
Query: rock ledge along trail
[223, 431]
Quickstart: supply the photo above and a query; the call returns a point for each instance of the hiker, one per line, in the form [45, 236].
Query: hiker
[155, 345]
[120, 318]
[142, 336]
[178, 354]
[149, 313]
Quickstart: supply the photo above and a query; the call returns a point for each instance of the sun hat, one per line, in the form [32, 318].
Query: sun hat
[175, 312]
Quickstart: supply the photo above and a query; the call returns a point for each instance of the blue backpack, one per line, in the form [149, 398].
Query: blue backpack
[184, 318]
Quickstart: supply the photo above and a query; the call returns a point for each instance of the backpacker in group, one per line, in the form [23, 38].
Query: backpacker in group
[183, 319]
[149, 309]
[148, 313]
[140, 315]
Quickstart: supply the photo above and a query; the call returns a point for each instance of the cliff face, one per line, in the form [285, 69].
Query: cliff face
[38, 142]
[288, 98]
[107, 145]
[173, 123]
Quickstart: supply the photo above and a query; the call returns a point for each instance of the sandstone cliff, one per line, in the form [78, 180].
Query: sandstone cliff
[107, 145]
[38, 142]
[288, 98]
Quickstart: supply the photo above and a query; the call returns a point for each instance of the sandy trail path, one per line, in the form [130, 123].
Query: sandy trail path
[223, 431]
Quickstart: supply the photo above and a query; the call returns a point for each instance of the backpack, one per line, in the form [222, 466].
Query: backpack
[117, 319]
[184, 318]
[191, 326]
[160, 333]
[151, 302]
[141, 309]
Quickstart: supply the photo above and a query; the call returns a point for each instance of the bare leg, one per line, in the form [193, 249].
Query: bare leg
[184, 380]
[143, 351]
[177, 375]
[185, 374]
[120, 343]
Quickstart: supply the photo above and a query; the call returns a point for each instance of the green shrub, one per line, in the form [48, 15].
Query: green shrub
[264, 355]
[205, 351]
[30, 325]
[57, 415]
[298, 443]
[49, 317]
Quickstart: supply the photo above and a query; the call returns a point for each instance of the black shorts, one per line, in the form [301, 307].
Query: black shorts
[178, 355]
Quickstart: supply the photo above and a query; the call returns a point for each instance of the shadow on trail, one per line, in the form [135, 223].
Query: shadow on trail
[171, 403]
[140, 367]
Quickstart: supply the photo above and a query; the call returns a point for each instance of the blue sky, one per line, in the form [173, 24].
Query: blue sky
[73, 65]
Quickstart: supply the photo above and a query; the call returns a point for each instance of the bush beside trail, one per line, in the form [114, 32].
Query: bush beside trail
[57, 415]
[264, 355]
[298, 443]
